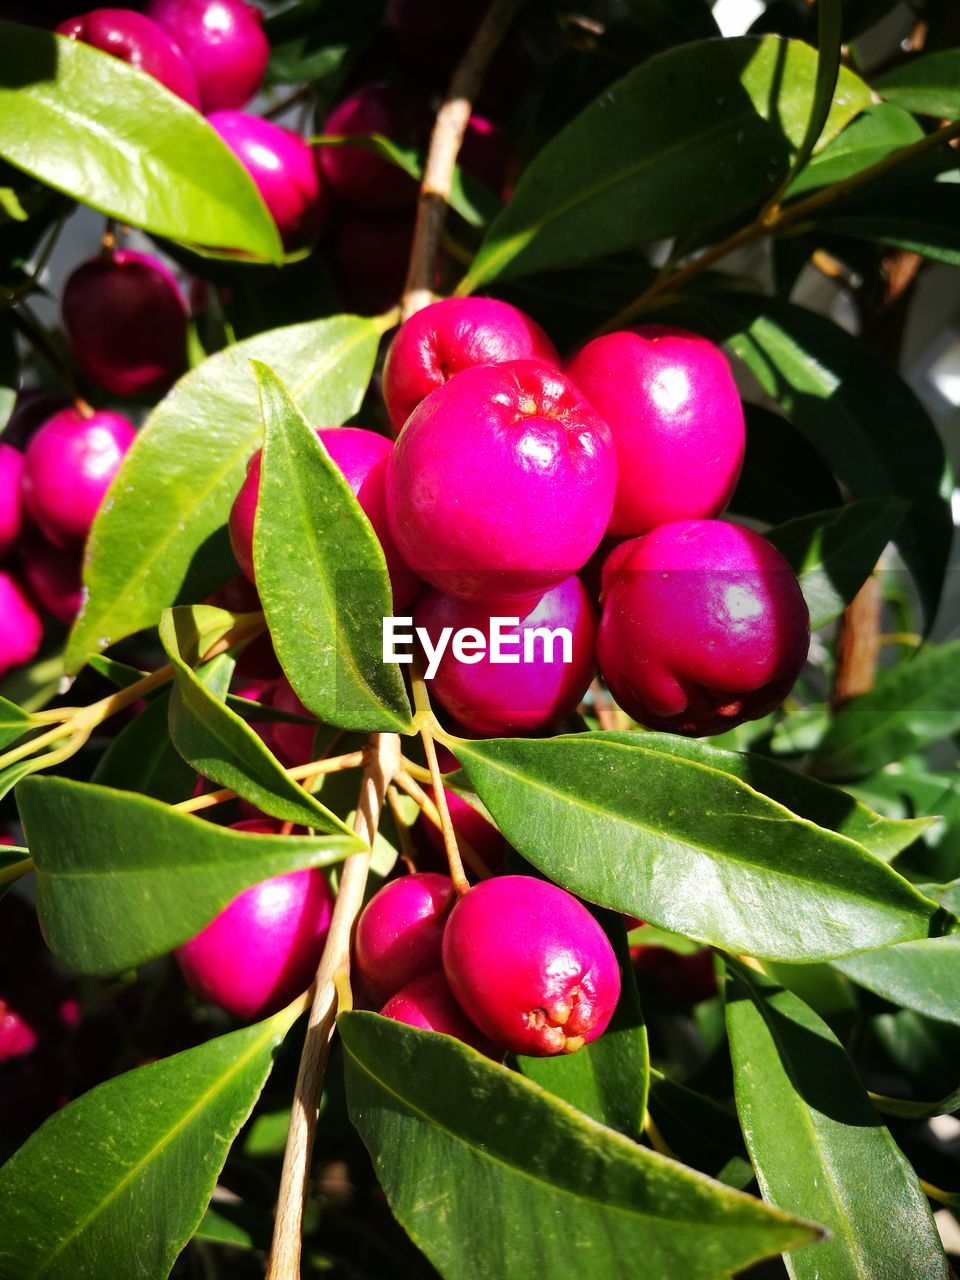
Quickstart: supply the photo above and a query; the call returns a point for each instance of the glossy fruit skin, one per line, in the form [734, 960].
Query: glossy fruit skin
[225, 44]
[139, 41]
[469, 824]
[32, 409]
[22, 630]
[17, 1036]
[11, 503]
[68, 467]
[53, 575]
[530, 966]
[671, 402]
[399, 933]
[501, 699]
[283, 166]
[360, 178]
[428, 1003]
[501, 483]
[703, 627]
[263, 949]
[450, 336]
[126, 321]
[362, 456]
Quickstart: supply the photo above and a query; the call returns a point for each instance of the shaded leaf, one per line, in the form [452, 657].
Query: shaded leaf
[783, 475]
[923, 976]
[14, 722]
[142, 758]
[929, 85]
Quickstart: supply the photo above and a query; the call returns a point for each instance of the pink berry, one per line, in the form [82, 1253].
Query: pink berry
[263, 949]
[359, 177]
[399, 933]
[450, 336]
[501, 483]
[362, 457]
[672, 404]
[428, 1003]
[126, 321]
[225, 43]
[32, 408]
[530, 966]
[53, 575]
[703, 627]
[21, 630]
[68, 467]
[486, 155]
[500, 698]
[140, 42]
[11, 504]
[468, 822]
[17, 1036]
[291, 741]
[282, 165]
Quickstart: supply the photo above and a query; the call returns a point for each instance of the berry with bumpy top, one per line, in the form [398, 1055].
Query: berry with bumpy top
[399, 933]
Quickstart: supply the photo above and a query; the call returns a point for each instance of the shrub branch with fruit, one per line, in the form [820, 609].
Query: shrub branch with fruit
[634, 953]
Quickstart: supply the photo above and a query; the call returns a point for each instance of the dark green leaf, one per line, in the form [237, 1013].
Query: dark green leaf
[13, 862]
[929, 85]
[221, 746]
[320, 40]
[699, 1131]
[162, 534]
[137, 878]
[902, 791]
[818, 1147]
[834, 552]
[912, 705]
[872, 136]
[14, 722]
[678, 843]
[113, 137]
[116, 1183]
[829, 40]
[908, 1110]
[324, 583]
[783, 475]
[923, 976]
[692, 137]
[142, 758]
[924, 220]
[490, 1175]
[690, 21]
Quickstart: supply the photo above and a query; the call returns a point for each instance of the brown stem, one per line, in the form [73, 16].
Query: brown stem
[445, 141]
[407, 783]
[858, 645]
[300, 773]
[284, 1262]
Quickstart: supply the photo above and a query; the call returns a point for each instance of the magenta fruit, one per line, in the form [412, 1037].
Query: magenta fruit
[263, 949]
[470, 824]
[225, 44]
[359, 177]
[703, 627]
[492, 698]
[11, 503]
[68, 467]
[399, 933]
[291, 741]
[530, 966]
[21, 630]
[671, 402]
[428, 1003]
[126, 321]
[501, 483]
[53, 575]
[137, 40]
[453, 335]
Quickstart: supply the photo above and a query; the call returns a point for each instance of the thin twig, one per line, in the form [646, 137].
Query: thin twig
[284, 1263]
[430, 811]
[445, 141]
[299, 773]
[425, 721]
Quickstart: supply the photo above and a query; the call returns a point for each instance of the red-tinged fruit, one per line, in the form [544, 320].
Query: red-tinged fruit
[703, 627]
[263, 949]
[470, 825]
[17, 1036]
[362, 457]
[520, 696]
[283, 167]
[21, 630]
[530, 966]
[11, 503]
[501, 483]
[399, 933]
[359, 177]
[293, 742]
[679, 980]
[53, 575]
[671, 402]
[126, 320]
[141, 43]
[68, 467]
[427, 1003]
[225, 43]
[450, 336]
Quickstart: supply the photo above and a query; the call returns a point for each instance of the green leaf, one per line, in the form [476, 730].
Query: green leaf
[320, 40]
[783, 475]
[117, 1182]
[899, 790]
[222, 746]
[688, 139]
[856, 411]
[829, 40]
[137, 878]
[14, 722]
[818, 1147]
[142, 758]
[684, 846]
[834, 552]
[323, 579]
[929, 85]
[923, 976]
[909, 1110]
[609, 1078]
[690, 21]
[923, 219]
[11, 856]
[490, 1175]
[699, 1131]
[911, 706]
[162, 534]
[873, 135]
[112, 137]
